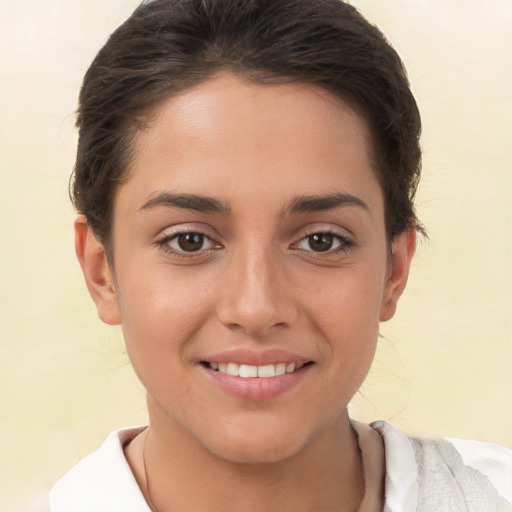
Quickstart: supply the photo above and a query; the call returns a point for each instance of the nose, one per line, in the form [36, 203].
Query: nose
[256, 297]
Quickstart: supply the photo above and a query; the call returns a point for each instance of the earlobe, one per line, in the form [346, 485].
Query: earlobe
[97, 273]
[403, 247]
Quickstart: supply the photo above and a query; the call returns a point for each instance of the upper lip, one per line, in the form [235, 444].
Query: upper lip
[256, 358]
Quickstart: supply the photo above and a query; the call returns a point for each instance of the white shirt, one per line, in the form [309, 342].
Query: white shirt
[104, 482]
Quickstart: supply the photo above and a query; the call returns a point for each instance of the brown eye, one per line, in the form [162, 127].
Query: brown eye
[326, 242]
[190, 242]
[187, 243]
[320, 242]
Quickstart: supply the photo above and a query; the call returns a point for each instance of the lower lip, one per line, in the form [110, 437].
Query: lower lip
[257, 388]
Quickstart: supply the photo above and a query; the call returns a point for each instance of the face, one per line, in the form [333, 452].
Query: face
[250, 265]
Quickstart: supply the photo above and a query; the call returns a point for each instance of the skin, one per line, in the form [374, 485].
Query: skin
[257, 284]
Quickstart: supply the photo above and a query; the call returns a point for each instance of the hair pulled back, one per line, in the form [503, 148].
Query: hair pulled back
[169, 45]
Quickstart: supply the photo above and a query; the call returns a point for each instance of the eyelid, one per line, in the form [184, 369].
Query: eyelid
[174, 238]
[338, 240]
[184, 228]
[345, 241]
[172, 233]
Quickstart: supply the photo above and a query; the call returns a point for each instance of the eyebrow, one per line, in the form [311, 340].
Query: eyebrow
[300, 204]
[189, 202]
[303, 204]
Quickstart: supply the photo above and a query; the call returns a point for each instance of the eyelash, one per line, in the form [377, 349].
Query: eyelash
[345, 244]
[164, 244]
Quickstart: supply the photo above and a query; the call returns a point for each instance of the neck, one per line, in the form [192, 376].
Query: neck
[180, 474]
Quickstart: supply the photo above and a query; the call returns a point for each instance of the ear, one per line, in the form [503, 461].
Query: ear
[97, 273]
[403, 248]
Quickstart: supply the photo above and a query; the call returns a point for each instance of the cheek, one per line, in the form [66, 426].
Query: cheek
[161, 310]
[345, 312]
[347, 302]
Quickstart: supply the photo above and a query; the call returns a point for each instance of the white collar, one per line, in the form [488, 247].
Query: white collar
[401, 487]
[104, 482]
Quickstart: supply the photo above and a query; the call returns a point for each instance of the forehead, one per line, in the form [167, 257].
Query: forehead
[233, 137]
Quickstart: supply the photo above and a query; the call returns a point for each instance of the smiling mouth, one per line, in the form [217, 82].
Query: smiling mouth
[248, 371]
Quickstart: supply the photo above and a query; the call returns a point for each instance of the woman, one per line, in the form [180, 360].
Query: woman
[245, 176]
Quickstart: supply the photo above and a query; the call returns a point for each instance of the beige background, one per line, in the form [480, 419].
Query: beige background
[444, 363]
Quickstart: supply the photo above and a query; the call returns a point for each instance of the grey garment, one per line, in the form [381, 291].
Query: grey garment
[446, 484]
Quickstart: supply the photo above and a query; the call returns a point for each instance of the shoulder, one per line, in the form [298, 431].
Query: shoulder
[451, 473]
[101, 482]
[491, 459]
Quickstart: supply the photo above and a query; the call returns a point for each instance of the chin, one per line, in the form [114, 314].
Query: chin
[258, 444]
[250, 453]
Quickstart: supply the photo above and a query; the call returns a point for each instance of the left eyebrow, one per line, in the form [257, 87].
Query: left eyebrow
[303, 204]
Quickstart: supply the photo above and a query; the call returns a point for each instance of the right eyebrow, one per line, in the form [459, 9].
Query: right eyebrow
[187, 201]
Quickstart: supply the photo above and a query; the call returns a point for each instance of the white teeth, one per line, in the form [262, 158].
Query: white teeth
[290, 368]
[268, 370]
[280, 368]
[246, 370]
[232, 369]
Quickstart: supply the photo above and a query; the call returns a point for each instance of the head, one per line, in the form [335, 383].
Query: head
[246, 170]
[167, 46]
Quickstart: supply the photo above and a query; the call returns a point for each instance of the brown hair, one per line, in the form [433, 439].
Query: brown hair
[169, 45]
